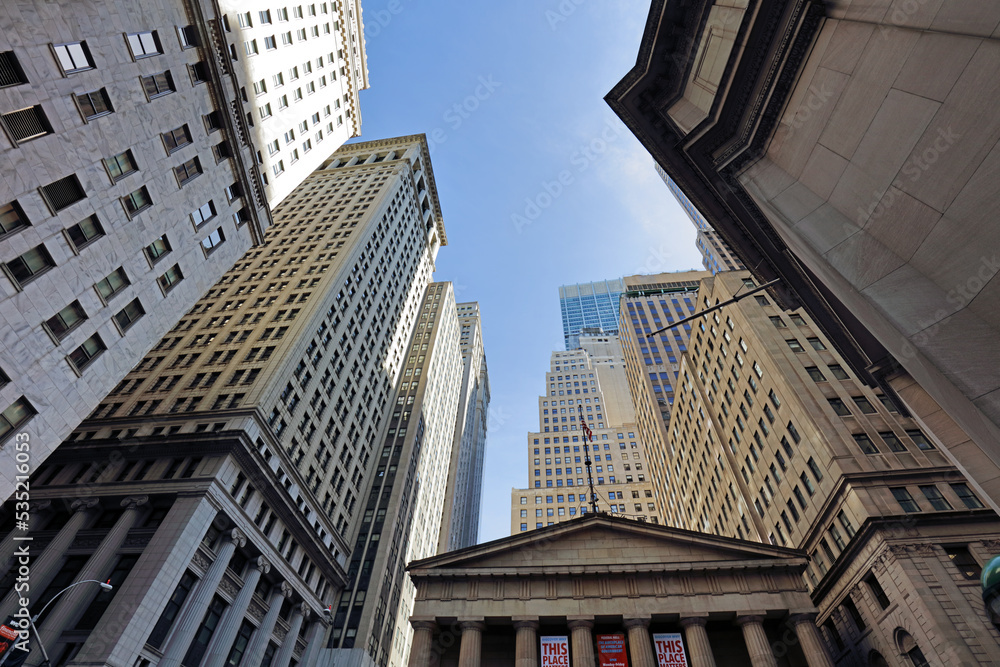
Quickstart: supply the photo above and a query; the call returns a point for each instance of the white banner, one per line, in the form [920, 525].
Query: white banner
[669, 650]
[555, 651]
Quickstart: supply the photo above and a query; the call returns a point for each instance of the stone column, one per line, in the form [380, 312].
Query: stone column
[526, 647]
[45, 567]
[9, 545]
[314, 641]
[471, 652]
[74, 602]
[229, 626]
[639, 642]
[699, 649]
[194, 612]
[758, 646]
[258, 644]
[423, 642]
[284, 656]
[582, 642]
[809, 639]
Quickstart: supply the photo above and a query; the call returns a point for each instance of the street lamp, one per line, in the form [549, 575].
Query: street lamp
[106, 585]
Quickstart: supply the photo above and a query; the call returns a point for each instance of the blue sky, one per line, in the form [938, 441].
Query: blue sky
[540, 184]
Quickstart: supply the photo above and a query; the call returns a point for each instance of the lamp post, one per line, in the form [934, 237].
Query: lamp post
[106, 585]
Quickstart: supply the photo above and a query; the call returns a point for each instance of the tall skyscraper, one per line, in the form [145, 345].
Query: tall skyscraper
[299, 69]
[773, 439]
[463, 499]
[588, 382]
[715, 252]
[591, 306]
[222, 484]
[130, 186]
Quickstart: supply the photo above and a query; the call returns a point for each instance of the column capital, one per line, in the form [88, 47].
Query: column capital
[83, 504]
[423, 624]
[286, 589]
[262, 564]
[575, 623]
[688, 621]
[636, 623]
[237, 537]
[750, 619]
[39, 505]
[472, 624]
[798, 619]
[303, 608]
[133, 502]
[525, 622]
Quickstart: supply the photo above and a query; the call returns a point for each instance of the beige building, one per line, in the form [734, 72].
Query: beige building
[589, 383]
[849, 149]
[129, 187]
[727, 602]
[773, 439]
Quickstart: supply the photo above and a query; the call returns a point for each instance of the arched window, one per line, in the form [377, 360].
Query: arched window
[908, 647]
[875, 659]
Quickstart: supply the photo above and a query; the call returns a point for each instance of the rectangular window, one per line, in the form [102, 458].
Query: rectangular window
[11, 73]
[66, 320]
[128, 315]
[176, 138]
[188, 36]
[94, 104]
[265, 17]
[794, 345]
[839, 407]
[273, 147]
[157, 249]
[270, 43]
[920, 439]
[965, 562]
[905, 500]
[865, 443]
[265, 111]
[137, 201]
[966, 495]
[25, 124]
[213, 241]
[19, 412]
[864, 405]
[73, 57]
[158, 85]
[63, 193]
[30, 265]
[121, 165]
[188, 171]
[816, 343]
[171, 610]
[890, 439]
[877, 591]
[144, 44]
[205, 213]
[82, 356]
[251, 47]
[213, 121]
[112, 284]
[12, 218]
[170, 279]
[936, 499]
[815, 374]
[838, 372]
[85, 232]
[199, 72]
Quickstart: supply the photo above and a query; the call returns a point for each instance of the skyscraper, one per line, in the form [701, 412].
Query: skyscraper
[130, 186]
[463, 499]
[299, 69]
[220, 483]
[589, 306]
[587, 383]
[715, 253]
[774, 439]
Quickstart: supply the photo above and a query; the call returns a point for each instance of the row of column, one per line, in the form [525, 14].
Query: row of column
[698, 647]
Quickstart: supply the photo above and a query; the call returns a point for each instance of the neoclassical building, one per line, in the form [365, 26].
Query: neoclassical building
[734, 603]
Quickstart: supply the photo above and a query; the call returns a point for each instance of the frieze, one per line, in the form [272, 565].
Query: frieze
[229, 586]
[256, 611]
[87, 542]
[200, 560]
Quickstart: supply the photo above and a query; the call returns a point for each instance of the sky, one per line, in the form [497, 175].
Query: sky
[540, 184]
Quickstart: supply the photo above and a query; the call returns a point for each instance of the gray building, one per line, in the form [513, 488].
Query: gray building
[129, 187]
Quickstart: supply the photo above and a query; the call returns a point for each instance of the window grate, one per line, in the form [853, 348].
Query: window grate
[26, 124]
[11, 73]
[63, 193]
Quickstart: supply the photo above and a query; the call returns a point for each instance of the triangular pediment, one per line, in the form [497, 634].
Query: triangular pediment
[602, 542]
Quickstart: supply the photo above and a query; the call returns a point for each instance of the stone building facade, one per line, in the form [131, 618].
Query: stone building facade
[130, 186]
[734, 603]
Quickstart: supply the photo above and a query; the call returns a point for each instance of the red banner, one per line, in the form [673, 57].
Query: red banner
[611, 650]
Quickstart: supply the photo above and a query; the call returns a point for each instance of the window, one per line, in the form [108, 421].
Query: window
[66, 320]
[188, 36]
[11, 73]
[816, 343]
[85, 232]
[25, 124]
[213, 121]
[865, 443]
[260, 87]
[270, 43]
[63, 193]
[877, 591]
[73, 57]
[176, 138]
[273, 147]
[251, 47]
[31, 264]
[94, 104]
[128, 315]
[966, 496]
[920, 439]
[170, 279]
[158, 85]
[144, 44]
[794, 345]
[965, 562]
[838, 372]
[112, 284]
[934, 497]
[205, 213]
[199, 72]
[14, 416]
[864, 405]
[91, 348]
[265, 17]
[839, 407]
[221, 151]
[121, 165]
[814, 467]
[778, 322]
[905, 500]
[137, 201]
[815, 374]
[890, 439]
[279, 168]
[157, 249]
[12, 218]
[213, 241]
[188, 171]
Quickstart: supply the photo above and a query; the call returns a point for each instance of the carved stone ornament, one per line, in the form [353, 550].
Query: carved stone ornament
[200, 560]
[262, 564]
[132, 502]
[37, 506]
[238, 537]
[256, 611]
[83, 504]
[229, 587]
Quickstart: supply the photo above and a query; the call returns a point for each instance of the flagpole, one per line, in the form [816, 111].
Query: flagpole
[587, 436]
